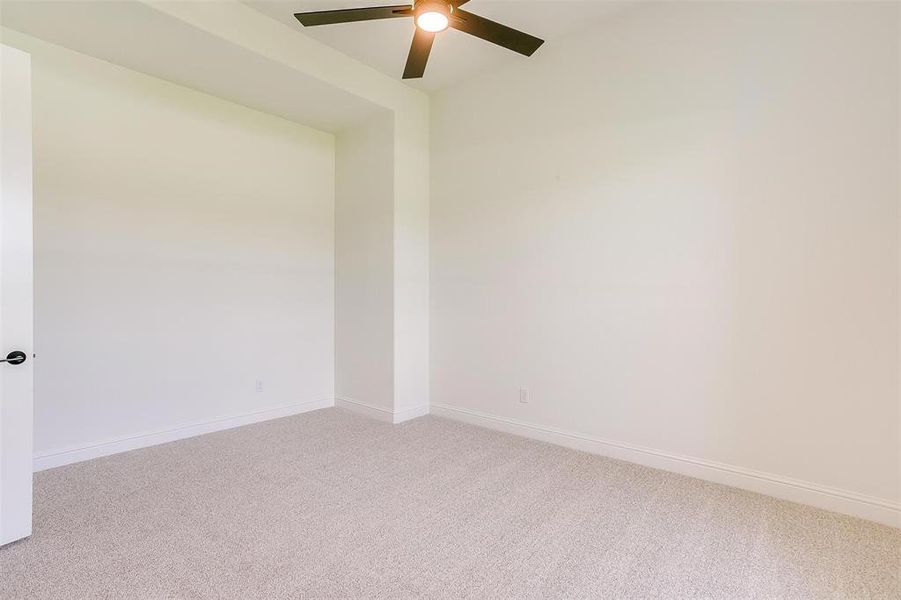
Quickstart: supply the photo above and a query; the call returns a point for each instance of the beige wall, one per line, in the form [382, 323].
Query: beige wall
[183, 250]
[679, 231]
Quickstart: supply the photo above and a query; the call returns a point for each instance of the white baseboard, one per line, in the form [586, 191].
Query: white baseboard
[837, 500]
[66, 456]
[379, 413]
[410, 413]
[367, 410]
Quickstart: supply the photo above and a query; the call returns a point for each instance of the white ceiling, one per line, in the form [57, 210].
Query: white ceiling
[455, 56]
[139, 37]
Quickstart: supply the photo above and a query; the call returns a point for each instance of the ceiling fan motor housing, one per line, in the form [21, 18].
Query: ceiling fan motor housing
[421, 6]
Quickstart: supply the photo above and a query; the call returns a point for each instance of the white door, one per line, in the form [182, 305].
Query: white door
[16, 376]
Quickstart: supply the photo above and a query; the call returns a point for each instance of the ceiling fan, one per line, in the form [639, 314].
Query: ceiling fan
[430, 17]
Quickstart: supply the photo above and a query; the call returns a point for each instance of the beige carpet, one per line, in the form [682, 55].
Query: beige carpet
[332, 505]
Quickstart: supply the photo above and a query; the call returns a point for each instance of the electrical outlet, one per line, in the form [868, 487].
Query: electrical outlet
[259, 385]
[524, 395]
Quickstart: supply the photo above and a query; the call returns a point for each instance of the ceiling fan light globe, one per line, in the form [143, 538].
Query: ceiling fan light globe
[432, 21]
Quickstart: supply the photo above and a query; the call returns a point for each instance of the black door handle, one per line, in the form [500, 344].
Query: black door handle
[16, 357]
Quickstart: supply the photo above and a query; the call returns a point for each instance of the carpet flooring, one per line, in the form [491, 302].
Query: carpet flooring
[332, 505]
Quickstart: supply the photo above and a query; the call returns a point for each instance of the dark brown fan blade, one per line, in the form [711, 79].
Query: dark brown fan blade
[459, 2]
[350, 15]
[495, 32]
[419, 54]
